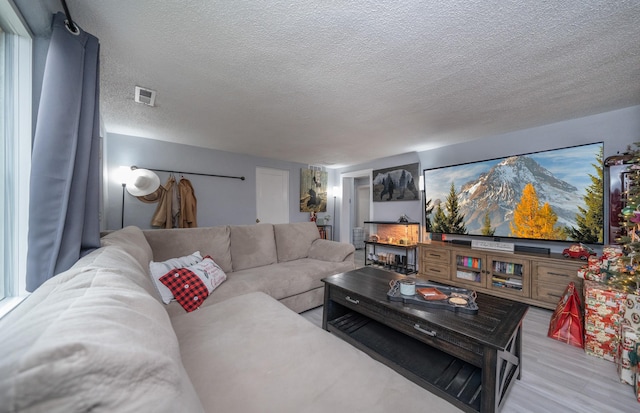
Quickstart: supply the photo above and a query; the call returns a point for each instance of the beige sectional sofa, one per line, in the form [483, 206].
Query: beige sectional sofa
[98, 337]
[285, 261]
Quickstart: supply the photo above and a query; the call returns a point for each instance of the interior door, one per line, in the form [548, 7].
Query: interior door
[362, 211]
[272, 196]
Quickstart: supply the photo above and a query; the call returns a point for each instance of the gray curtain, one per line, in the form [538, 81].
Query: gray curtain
[65, 171]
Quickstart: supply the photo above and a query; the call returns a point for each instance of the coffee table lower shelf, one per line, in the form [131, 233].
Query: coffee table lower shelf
[441, 373]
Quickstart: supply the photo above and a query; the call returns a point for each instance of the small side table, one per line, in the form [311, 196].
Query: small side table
[323, 231]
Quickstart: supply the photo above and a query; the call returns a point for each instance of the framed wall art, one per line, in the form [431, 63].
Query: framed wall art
[313, 190]
[396, 184]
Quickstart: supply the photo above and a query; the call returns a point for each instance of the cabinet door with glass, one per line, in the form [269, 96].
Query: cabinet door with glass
[469, 268]
[508, 275]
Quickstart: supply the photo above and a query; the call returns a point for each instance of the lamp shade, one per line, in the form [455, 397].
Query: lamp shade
[142, 182]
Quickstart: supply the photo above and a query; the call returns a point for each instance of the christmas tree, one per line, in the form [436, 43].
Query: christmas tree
[626, 276]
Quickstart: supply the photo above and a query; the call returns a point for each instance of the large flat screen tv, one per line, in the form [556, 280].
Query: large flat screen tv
[554, 195]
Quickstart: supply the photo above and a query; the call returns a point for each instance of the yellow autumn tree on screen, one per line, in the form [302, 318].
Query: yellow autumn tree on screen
[530, 220]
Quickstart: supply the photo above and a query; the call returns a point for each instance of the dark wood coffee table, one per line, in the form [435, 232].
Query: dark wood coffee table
[471, 360]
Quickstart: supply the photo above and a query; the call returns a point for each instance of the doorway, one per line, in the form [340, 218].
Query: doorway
[363, 201]
[272, 196]
[350, 217]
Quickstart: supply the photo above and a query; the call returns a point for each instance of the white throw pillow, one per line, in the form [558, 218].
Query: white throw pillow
[158, 269]
[209, 272]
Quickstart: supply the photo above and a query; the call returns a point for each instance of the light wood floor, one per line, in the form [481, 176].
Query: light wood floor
[556, 377]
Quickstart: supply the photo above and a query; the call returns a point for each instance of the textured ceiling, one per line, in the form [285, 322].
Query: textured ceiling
[342, 82]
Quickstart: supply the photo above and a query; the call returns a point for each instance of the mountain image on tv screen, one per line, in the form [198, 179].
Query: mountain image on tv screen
[550, 195]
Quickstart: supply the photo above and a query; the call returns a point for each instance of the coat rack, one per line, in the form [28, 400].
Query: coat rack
[242, 178]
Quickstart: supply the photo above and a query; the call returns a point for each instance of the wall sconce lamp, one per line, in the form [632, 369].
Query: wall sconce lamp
[138, 182]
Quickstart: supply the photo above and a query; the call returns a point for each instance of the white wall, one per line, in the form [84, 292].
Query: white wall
[616, 129]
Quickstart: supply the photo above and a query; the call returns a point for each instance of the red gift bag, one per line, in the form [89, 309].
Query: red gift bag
[567, 321]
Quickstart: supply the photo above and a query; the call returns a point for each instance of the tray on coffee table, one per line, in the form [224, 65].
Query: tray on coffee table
[457, 299]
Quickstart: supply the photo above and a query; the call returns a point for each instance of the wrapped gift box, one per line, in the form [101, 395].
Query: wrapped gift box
[595, 264]
[604, 309]
[598, 268]
[586, 274]
[628, 341]
[632, 310]
[610, 254]
[637, 387]
[630, 336]
[603, 346]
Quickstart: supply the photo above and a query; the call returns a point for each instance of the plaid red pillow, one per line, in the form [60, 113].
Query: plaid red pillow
[187, 288]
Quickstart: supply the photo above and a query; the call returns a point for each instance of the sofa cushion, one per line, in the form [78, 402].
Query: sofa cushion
[269, 358]
[331, 251]
[122, 245]
[212, 241]
[294, 240]
[159, 269]
[289, 278]
[133, 241]
[252, 246]
[98, 341]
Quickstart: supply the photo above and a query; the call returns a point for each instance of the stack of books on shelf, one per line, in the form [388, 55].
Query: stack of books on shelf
[470, 262]
[504, 282]
[466, 275]
[507, 267]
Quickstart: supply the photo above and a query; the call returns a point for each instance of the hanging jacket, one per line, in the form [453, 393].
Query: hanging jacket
[175, 206]
[163, 215]
[188, 205]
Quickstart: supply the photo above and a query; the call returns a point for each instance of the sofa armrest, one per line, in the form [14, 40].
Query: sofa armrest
[333, 251]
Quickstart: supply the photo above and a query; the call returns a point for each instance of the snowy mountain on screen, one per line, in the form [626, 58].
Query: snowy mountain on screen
[499, 190]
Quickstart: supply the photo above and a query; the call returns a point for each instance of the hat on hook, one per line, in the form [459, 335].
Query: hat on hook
[142, 182]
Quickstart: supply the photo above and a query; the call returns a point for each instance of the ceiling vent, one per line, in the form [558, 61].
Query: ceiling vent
[146, 96]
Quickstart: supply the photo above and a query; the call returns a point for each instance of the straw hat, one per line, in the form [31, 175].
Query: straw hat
[142, 182]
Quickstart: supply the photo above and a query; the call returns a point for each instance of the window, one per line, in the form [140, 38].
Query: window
[15, 152]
